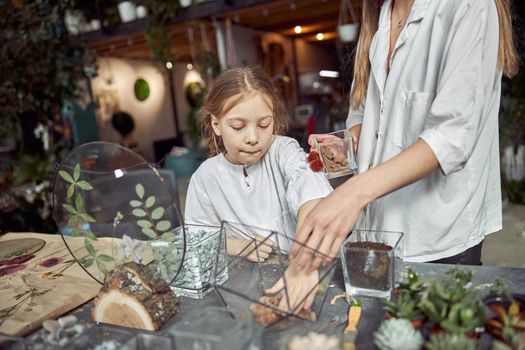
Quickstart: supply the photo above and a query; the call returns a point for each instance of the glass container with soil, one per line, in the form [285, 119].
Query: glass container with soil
[372, 262]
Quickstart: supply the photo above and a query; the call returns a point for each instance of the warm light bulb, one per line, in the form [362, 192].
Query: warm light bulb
[169, 65]
[189, 66]
[320, 36]
[298, 29]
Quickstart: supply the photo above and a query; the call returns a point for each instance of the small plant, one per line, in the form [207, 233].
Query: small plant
[444, 341]
[396, 334]
[79, 219]
[412, 284]
[405, 306]
[508, 324]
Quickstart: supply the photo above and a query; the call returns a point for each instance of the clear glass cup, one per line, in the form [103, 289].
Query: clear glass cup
[152, 341]
[204, 249]
[336, 151]
[372, 262]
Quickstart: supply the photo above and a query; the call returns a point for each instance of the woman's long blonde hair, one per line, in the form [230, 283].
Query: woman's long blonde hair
[230, 88]
[507, 55]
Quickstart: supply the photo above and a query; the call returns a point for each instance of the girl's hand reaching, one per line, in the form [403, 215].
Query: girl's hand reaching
[246, 248]
[301, 286]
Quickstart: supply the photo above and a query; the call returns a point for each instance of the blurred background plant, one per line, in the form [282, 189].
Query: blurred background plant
[42, 66]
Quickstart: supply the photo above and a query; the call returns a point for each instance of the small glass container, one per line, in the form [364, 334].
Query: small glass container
[152, 341]
[205, 248]
[336, 151]
[216, 328]
[372, 262]
[105, 337]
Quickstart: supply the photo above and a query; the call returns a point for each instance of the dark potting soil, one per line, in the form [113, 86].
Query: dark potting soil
[368, 265]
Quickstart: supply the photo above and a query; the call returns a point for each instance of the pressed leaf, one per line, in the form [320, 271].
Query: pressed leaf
[144, 223]
[87, 217]
[84, 185]
[138, 213]
[69, 208]
[163, 225]
[149, 232]
[101, 267]
[79, 203]
[70, 191]
[88, 262]
[150, 201]
[157, 213]
[104, 257]
[90, 248]
[89, 235]
[63, 174]
[134, 203]
[73, 221]
[76, 172]
[140, 190]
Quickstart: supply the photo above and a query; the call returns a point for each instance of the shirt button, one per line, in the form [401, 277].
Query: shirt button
[377, 134]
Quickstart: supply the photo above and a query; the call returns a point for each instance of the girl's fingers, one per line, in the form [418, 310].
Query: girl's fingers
[276, 288]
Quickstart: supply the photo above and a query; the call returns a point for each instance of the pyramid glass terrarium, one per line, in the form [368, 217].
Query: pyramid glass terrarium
[253, 271]
[112, 207]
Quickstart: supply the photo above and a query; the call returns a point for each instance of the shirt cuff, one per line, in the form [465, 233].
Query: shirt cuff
[448, 159]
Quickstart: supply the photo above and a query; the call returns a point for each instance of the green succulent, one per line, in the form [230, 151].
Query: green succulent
[405, 306]
[396, 334]
[444, 341]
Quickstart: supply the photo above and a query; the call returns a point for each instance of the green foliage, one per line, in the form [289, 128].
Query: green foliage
[148, 217]
[40, 63]
[405, 306]
[444, 341]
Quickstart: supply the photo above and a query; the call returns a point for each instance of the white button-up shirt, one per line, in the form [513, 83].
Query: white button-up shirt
[443, 87]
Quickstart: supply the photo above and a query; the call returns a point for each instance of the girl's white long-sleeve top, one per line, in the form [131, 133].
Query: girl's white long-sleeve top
[268, 198]
[443, 87]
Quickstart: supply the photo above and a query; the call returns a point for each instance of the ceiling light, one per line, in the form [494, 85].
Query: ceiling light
[320, 36]
[298, 29]
[189, 66]
[329, 74]
[169, 65]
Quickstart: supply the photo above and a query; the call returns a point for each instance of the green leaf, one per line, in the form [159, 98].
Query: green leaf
[87, 217]
[70, 191]
[157, 213]
[138, 213]
[149, 232]
[135, 203]
[140, 190]
[63, 174]
[104, 257]
[73, 221]
[76, 233]
[150, 201]
[69, 208]
[144, 223]
[79, 203]
[90, 248]
[76, 172]
[88, 262]
[163, 225]
[89, 234]
[84, 185]
[101, 267]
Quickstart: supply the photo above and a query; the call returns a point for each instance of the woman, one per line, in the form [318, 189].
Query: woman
[424, 109]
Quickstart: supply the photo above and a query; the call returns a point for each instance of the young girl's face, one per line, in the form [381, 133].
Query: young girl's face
[246, 129]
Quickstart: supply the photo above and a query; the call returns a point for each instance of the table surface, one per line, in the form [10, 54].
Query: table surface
[373, 314]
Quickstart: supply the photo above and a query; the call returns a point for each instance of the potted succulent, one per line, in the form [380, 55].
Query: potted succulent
[445, 341]
[405, 307]
[396, 334]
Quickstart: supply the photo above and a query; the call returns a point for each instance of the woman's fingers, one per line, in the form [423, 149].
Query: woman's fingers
[276, 288]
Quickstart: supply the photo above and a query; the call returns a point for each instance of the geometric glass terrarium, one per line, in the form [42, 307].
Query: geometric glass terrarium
[251, 273]
[372, 262]
[112, 206]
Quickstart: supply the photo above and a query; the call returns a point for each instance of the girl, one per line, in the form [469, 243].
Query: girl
[424, 103]
[254, 177]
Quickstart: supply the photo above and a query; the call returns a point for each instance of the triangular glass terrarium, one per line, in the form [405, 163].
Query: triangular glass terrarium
[112, 206]
[252, 272]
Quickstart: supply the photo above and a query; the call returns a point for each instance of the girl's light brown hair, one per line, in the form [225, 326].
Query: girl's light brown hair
[507, 55]
[231, 87]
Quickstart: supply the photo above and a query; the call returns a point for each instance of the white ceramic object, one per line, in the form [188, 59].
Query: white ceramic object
[348, 32]
[142, 11]
[95, 24]
[127, 11]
